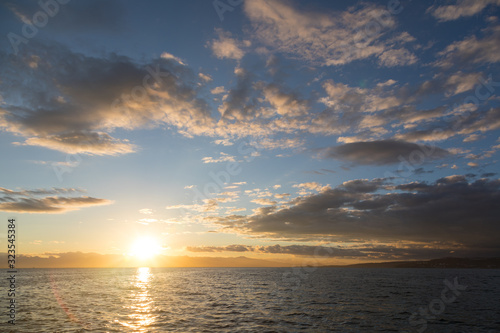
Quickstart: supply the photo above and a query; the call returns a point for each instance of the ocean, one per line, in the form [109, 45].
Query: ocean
[254, 300]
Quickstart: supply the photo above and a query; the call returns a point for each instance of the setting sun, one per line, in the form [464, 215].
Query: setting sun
[145, 248]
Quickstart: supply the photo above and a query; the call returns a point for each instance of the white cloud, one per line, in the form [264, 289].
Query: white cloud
[333, 38]
[227, 47]
[218, 90]
[397, 57]
[313, 186]
[472, 50]
[460, 82]
[462, 8]
[166, 55]
[224, 142]
[222, 158]
[205, 77]
[264, 202]
[286, 104]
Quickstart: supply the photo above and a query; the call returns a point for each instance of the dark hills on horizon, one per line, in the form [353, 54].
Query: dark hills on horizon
[82, 260]
[449, 262]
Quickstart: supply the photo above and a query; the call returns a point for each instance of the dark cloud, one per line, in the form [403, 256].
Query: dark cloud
[450, 210]
[29, 201]
[239, 103]
[489, 174]
[359, 251]
[230, 248]
[301, 250]
[70, 102]
[382, 152]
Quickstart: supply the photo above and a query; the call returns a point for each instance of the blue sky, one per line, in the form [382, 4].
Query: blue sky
[263, 128]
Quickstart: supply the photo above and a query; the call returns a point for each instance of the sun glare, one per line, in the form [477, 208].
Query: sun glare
[145, 248]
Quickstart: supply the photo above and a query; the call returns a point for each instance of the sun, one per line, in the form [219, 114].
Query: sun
[145, 247]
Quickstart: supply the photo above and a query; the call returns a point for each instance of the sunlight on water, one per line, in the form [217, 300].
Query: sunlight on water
[254, 300]
[141, 302]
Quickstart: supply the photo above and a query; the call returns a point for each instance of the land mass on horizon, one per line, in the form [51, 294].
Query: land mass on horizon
[88, 260]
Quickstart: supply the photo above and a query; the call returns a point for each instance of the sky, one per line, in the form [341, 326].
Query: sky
[268, 129]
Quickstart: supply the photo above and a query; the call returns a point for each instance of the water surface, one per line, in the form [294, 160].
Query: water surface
[254, 300]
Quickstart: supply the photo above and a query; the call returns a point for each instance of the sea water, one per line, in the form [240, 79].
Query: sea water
[254, 300]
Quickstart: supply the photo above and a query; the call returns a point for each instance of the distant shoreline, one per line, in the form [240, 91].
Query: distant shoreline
[485, 263]
[465, 263]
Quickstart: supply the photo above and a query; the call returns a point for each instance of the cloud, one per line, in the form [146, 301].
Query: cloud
[28, 201]
[450, 210]
[224, 142]
[459, 82]
[286, 104]
[426, 135]
[222, 158]
[463, 8]
[228, 196]
[94, 143]
[334, 38]
[218, 90]
[383, 152]
[355, 99]
[472, 50]
[472, 138]
[364, 110]
[166, 55]
[274, 143]
[209, 205]
[238, 104]
[72, 102]
[54, 190]
[226, 46]
[314, 186]
[397, 57]
[462, 124]
[205, 77]
[301, 250]
[361, 251]
[264, 202]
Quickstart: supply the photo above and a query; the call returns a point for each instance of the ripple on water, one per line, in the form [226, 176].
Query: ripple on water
[249, 300]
